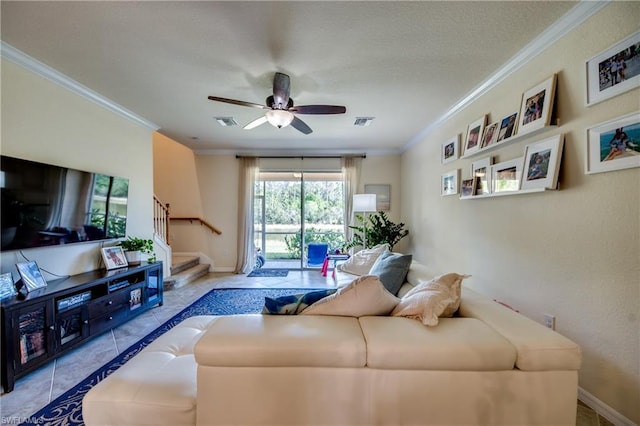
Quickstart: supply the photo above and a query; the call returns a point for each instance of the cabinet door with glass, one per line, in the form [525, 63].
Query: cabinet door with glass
[33, 339]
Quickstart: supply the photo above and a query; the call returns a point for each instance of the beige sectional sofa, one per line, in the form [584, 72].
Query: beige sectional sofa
[487, 366]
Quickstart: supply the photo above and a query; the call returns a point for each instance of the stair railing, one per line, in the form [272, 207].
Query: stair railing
[161, 219]
[202, 222]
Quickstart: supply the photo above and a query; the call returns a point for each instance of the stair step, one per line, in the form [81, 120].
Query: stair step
[186, 276]
[182, 263]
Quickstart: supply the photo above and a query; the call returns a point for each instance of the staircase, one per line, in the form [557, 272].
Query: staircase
[184, 269]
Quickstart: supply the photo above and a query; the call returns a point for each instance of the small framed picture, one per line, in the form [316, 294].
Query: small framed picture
[614, 144]
[613, 71]
[135, 299]
[449, 183]
[481, 169]
[32, 278]
[450, 150]
[468, 187]
[383, 195]
[506, 176]
[474, 133]
[508, 127]
[542, 163]
[490, 135]
[537, 106]
[7, 288]
[114, 257]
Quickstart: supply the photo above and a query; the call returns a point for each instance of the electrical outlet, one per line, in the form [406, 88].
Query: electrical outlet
[550, 321]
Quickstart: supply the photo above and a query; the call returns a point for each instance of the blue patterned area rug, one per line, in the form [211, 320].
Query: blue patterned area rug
[67, 408]
[269, 273]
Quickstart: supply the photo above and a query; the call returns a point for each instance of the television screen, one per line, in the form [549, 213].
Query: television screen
[44, 205]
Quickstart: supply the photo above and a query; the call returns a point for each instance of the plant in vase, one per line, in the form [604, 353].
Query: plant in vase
[134, 248]
[380, 230]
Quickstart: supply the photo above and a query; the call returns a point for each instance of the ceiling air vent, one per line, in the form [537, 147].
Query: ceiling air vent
[226, 121]
[363, 121]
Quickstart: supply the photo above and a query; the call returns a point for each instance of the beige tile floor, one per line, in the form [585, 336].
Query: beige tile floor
[40, 387]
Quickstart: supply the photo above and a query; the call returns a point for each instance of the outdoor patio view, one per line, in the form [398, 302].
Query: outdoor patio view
[293, 210]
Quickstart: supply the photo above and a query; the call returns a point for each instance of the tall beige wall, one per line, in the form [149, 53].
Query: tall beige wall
[572, 253]
[44, 122]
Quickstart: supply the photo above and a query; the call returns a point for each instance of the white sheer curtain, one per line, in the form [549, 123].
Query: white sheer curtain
[351, 166]
[246, 250]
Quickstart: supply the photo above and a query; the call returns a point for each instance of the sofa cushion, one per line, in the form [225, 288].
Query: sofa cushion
[282, 341]
[457, 344]
[361, 262]
[392, 269]
[295, 303]
[431, 300]
[364, 296]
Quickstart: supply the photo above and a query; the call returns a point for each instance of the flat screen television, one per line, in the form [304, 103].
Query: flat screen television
[46, 205]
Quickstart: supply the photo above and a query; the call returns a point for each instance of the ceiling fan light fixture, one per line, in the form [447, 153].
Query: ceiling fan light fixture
[279, 118]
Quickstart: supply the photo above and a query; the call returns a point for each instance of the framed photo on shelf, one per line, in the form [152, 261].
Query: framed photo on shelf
[508, 126]
[450, 150]
[542, 163]
[468, 187]
[537, 106]
[383, 195]
[506, 176]
[114, 257]
[614, 144]
[490, 135]
[449, 182]
[481, 170]
[474, 133]
[32, 278]
[7, 288]
[609, 73]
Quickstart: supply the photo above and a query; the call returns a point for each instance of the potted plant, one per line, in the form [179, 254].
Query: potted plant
[379, 229]
[134, 248]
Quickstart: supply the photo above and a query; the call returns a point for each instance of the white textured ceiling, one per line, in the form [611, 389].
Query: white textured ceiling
[404, 63]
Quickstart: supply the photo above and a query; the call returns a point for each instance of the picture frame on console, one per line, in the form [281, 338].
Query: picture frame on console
[114, 257]
[450, 150]
[31, 275]
[537, 106]
[614, 145]
[481, 169]
[7, 287]
[449, 183]
[474, 135]
[542, 163]
[608, 73]
[507, 175]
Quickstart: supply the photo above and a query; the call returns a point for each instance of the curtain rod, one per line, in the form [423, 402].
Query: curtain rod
[302, 157]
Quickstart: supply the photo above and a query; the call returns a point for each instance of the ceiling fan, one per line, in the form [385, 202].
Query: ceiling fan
[280, 107]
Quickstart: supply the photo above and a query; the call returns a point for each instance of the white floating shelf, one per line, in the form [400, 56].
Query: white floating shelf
[505, 193]
[512, 139]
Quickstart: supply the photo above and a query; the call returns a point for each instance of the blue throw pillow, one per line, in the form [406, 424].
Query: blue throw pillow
[391, 269]
[295, 303]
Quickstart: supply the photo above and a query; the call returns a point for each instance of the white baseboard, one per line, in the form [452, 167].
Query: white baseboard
[603, 409]
[224, 269]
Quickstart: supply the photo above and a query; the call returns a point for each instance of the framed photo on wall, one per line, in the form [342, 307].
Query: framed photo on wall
[32, 278]
[449, 182]
[613, 71]
[490, 135]
[450, 150]
[383, 195]
[114, 257]
[537, 106]
[542, 163]
[474, 134]
[481, 169]
[506, 176]
[468, 187]
[614, 144]
[508, 126]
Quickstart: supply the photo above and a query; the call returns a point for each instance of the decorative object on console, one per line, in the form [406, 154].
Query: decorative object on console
[450, 150]
[542, 163]
[7, 288]
[506, 176]
[134, 247]
[474, 134]
[537, 106]
[608, 74]
[449, 182]
[481, 169]
[32, 278]
[382, 193]
[113, 257]
[614, 144]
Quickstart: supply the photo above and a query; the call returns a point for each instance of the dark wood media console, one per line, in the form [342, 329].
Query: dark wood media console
[54, 319]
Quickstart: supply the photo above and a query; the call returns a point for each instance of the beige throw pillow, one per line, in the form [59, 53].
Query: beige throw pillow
[430, 300]
[364, 296]
[361, 262]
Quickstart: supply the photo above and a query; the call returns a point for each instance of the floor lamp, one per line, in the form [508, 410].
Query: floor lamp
[364, 203]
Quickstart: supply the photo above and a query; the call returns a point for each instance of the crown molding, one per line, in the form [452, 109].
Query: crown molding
[570, 20]
[22, 59]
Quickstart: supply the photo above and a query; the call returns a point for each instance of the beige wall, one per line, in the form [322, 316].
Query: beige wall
[572, 253]
[44, 122]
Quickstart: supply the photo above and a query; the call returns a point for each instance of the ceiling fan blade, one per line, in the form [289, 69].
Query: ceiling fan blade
[281, 87]
[301, 126]
[235, 102]
[318, 109]
[255, 123]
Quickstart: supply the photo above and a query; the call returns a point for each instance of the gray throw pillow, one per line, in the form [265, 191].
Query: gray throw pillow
[391, 269]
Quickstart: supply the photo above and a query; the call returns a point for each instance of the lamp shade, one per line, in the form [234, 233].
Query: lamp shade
[364, 202]
[279, 118]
